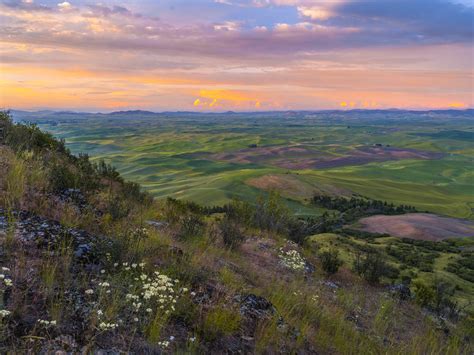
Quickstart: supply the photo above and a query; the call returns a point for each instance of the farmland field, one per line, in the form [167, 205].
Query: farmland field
[422, 159]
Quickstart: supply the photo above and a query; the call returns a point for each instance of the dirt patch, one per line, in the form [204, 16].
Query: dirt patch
[289, 185]
[299, 157]
[423, 226]
[359, 156]
[262, 154]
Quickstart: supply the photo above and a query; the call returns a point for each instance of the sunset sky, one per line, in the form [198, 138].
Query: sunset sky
[216, 55]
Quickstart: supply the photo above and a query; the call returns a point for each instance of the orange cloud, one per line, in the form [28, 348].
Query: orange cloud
[457, 105]
[227, 98]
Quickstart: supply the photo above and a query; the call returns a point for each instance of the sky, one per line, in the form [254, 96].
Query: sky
[240, 55]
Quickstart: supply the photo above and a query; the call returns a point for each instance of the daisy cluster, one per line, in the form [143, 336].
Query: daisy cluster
[145, 295]
[292, 259]
[46, 323]
[5, 279]
[139, 233]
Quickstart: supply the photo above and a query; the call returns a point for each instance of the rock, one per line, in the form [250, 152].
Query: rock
[401, 291]
[74, 196]
[82, 250]
[330, 284]
[309, 268]
[157, 224]
[256, 307]
[47, 234]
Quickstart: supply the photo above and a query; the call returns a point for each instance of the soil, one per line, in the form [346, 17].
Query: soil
[422, 226]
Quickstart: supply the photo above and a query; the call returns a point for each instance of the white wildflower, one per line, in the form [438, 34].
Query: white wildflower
[292, 259]
[46, 323]
[107, 326]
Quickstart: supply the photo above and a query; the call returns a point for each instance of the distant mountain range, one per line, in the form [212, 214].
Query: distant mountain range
[22, 114]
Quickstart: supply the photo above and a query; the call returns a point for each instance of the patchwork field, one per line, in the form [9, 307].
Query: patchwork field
[422, 159]
[423, 226]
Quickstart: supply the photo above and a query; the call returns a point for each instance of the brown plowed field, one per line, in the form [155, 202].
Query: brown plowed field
[423, 226]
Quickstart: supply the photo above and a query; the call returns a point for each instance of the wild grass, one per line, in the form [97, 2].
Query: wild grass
[15, 182]
[220, 321]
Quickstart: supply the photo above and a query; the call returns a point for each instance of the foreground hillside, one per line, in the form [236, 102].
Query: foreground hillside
[89, 263]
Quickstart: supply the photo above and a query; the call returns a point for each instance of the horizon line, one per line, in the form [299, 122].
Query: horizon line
[232, 111]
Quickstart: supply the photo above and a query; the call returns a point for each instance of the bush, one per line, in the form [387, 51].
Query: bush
[437, 296]
[61, 177]
[271, 214]
[190, 225]
[27, 137]
[241, 212]
[330, 261]
[118, 208]
[424, 295]
[231, 232]
[371, 266]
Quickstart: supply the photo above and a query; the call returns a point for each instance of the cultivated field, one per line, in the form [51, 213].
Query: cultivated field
[423, 226]
[420, 159]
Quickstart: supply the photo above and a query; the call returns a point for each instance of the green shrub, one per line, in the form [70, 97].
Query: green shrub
[27, 137]
[271, 214]
[190, 225]
[372, 266]
[61, 177]
[424, 294]
[241, 212]
[231, 232]
[330, 261]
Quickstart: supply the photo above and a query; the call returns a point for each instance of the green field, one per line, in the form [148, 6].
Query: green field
[206, 157]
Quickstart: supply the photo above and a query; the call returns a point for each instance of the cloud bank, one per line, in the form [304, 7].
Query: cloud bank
[277, 54]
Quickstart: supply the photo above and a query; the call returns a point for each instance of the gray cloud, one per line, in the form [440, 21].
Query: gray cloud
[434, 20]
[30, 6]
